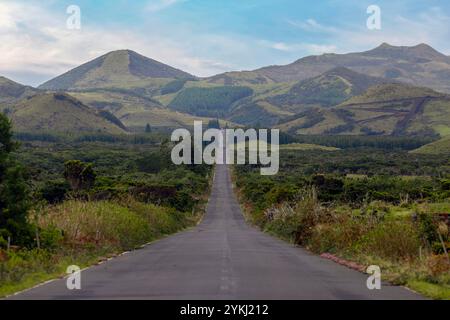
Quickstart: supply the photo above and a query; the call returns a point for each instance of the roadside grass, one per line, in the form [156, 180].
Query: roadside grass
[379, 233]
[434, 291]
[29, 271]
[84, 233]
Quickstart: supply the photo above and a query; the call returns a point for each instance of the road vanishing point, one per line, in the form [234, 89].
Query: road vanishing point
[223, 258]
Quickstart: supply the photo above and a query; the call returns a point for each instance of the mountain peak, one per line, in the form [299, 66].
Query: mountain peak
[418, 52]
[11, 90]
[112, 69]
[385, 45]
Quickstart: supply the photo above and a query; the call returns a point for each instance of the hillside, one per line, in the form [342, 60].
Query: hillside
[326, 90]
[385, 91]
[387, 109]
[119, 69]
[419, 65]
[135, 111]
[280, 104]
[61, 113]
[239, 78]
[435, 148]
[209, 102]
[11, 91]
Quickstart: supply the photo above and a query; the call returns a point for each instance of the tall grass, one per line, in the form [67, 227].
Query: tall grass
[402, 247]
[81, 233]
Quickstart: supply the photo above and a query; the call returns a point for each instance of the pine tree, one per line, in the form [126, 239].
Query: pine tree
[148, 129]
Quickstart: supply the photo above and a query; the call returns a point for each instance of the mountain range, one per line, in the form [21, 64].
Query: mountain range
[388, 90]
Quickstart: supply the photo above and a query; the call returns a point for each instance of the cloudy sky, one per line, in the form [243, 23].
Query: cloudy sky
[206, 37]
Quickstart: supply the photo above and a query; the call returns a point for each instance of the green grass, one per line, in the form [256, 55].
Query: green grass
[433, 291]
[440, 147]
[37, 274]
[93, 231]
[306, 146]
[59, 113]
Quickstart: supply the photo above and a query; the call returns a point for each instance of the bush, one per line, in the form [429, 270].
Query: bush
[394, 240]
[79, 175]
[103, 223]
[55, 191]
[340, 236]
[50, 238]
[296, 223]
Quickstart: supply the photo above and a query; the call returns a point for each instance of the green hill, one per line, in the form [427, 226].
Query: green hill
[11, 91]
[272, 107]
[419, 65]
[61, 113]
[240, 78]
[378, 92]
[209, 102]
[387, 109]
[326, 90]
[440, 147]
[119, 69]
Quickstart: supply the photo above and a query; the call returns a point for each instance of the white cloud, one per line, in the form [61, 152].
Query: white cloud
[158, 5]
[312, 25]
[300, 48]
[36, 45]
[430, 26]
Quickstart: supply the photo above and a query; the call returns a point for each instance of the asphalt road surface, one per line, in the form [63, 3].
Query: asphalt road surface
[222, 258]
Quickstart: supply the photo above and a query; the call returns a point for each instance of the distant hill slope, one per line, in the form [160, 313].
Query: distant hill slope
[387, 109]
[440, 147]
[419, 65]
[380, 91]
[57, 112]
[115, 69]
[11, 91]
[135, 111]
[237, 78]
[209, 102]
[271, 107]
[328, 89]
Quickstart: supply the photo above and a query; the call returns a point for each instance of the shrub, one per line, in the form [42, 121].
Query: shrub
[297, 223]
[394, 240]
[103, 223]
[50, 238]
[339, 236]
[55, 191]
[438, 265]
[79, 175]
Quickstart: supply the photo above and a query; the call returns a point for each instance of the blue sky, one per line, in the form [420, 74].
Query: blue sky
[206, 37]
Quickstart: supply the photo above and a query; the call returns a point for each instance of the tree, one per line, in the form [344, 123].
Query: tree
[14, 200]
[148, 129]
[79, 175]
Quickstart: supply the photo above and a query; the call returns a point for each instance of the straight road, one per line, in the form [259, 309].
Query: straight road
[222, 258]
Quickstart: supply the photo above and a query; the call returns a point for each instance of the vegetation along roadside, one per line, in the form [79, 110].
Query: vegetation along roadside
[81, 202]
[372, 206]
